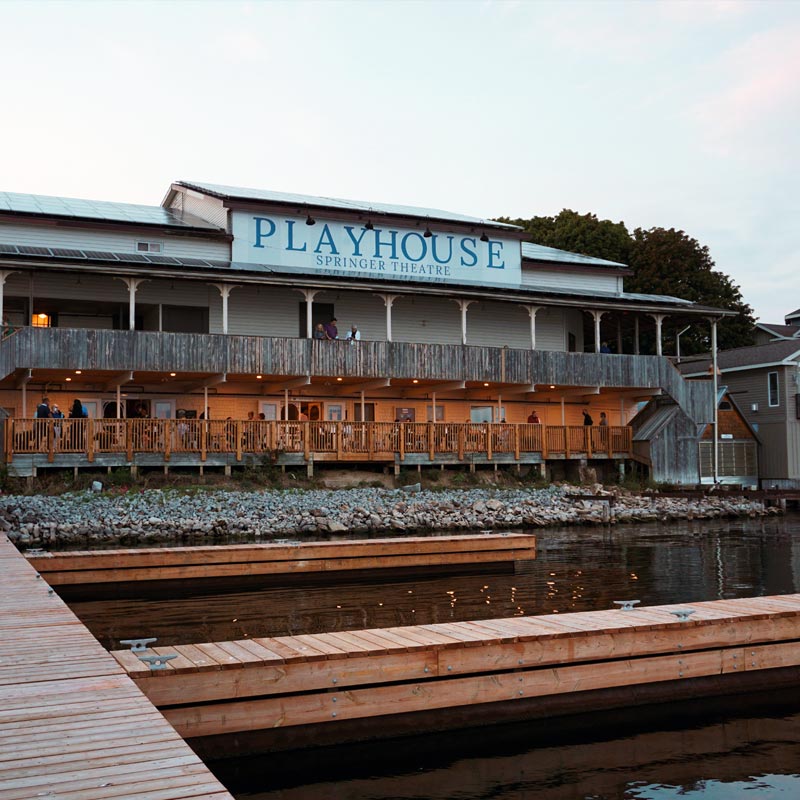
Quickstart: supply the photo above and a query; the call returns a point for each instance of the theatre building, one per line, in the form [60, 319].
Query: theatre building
[187, 333]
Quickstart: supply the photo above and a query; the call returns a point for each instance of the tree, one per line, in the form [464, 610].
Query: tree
[666, 261]
[579, 233]
[663, 261]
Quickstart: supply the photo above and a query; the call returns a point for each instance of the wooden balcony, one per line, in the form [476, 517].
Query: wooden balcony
[34, 443]
[112, 351]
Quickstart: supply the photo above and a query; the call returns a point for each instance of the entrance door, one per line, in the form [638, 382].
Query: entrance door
[163, 409]
[369, 412]
[320, 312]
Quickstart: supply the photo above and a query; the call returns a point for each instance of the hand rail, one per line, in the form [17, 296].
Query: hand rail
[367, 441]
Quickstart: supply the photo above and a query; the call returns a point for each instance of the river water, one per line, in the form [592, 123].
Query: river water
[721, 749]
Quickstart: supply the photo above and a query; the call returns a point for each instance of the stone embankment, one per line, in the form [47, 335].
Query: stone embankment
[153, 516]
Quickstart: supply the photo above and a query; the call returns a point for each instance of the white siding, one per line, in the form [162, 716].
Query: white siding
[210, 209]
[41, 235]
[498, 325]
[257, 311]
[582, 282]
[426, 319]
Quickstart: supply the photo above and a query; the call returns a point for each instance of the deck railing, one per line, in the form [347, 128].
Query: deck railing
[345, 441]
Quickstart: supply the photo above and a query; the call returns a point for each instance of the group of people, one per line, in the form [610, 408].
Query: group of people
[330, 331]
[533, 418]
[46, 411]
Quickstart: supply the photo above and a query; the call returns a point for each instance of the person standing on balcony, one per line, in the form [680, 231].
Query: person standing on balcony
[56, 413]
[354, 334]
[42, 412]
[604, 348]
[533, 418]
[603, 419]
[319, 331]
[587, 417]
[331, 331]
[8, 328]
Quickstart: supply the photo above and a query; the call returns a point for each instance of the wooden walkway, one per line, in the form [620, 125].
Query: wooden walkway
[72, 723]
[257, 684]
[178, 563]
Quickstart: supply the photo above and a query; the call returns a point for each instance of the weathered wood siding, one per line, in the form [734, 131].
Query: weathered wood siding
[63, 348]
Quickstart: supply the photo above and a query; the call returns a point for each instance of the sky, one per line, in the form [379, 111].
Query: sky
[679, 115]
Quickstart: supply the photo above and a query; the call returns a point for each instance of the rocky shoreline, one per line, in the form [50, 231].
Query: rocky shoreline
[165, 516]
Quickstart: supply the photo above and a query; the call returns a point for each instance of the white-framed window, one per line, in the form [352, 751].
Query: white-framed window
[269, 410]
[773, 395]
[334, 412]
[439, 413]
[149, 247]
[163, 409]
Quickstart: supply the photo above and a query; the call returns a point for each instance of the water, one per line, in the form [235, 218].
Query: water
[732, 748]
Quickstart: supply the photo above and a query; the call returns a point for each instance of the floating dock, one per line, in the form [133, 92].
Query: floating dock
[329, 678]
[237, 561]
[74, 725]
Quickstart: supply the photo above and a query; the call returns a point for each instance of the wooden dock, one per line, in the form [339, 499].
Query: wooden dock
[73, 723]
[238, 561]
[329, 678]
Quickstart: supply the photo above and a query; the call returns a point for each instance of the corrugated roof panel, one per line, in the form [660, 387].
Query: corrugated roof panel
[538, 252]
[367, 207]
[98, 210]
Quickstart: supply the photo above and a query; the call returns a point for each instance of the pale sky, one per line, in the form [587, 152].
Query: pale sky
[670, 114]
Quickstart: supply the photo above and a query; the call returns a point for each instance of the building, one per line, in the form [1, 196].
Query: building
[764, 382]
[186, 330]
[771, 332]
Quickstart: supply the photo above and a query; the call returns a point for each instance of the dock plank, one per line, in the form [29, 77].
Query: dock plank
[72, 722]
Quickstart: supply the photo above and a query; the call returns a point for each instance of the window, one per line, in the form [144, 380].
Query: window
[148, 247]
[41, 320]
[772, 389]
[439, 413]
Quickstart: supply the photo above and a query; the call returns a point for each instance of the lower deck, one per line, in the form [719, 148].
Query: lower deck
[34, 444]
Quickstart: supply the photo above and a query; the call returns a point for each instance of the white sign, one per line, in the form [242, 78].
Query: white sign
[392, 253]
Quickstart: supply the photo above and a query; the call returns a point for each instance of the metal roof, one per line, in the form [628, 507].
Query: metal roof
[793, 314]
[363, 206]
[98, 210]
[756, 355]
[538, 252]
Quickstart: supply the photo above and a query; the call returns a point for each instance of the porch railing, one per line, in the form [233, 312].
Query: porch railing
[347, 441]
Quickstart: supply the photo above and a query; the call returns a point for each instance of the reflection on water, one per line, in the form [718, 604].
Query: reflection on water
[723, 749]
[733, 748]
[575, 570]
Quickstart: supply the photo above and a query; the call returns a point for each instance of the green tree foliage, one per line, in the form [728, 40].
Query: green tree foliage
[666, 261]
[579, 233]
[663, 261]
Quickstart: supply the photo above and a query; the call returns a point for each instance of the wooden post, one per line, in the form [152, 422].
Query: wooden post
[402, 442]
[370, 437]
[489, 441]
[129, 439]
[167, 439]
[51, 440]
[238, 428]
[567, 451]
[90, 440]
[588, 429]
[204, 440]
[338, 432]
[544, 442]
[431, 439]
[516, 442]
[305, 430]
[462, 432]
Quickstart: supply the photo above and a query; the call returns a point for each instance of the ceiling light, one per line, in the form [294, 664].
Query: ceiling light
[485, 384]
[172, 374]
[552, 387]
[415, 381]
[339, 379]
[258, 376]
[77, 372]
[68, 379]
